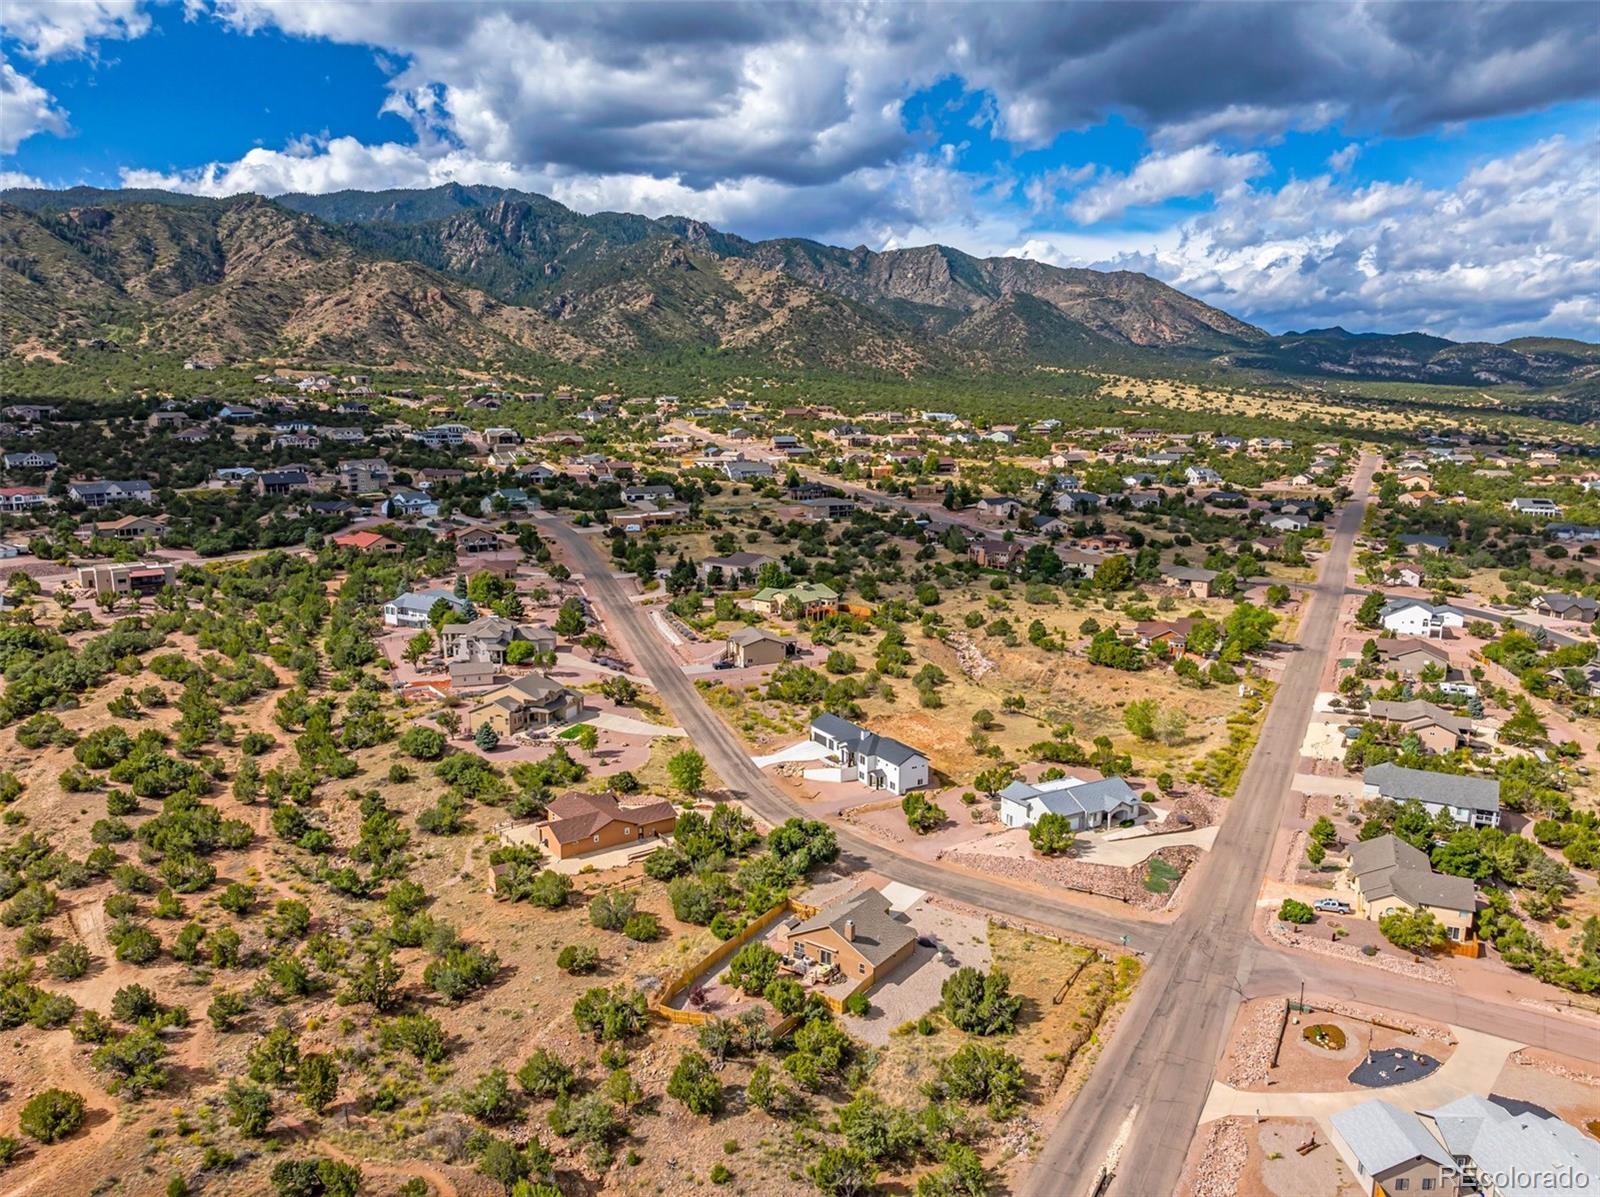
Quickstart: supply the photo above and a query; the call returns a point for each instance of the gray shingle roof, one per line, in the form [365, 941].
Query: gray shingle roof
[1400, 784]
[878, 934]
[1390, 867]
[863, 742]
[1383, 1136]
[1088, 798]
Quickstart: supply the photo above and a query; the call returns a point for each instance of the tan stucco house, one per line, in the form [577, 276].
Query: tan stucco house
[753, 646]
[1389, 874]
[532, 701]
[858, 933]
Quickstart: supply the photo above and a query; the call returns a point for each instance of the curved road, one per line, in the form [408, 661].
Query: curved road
[731, 759]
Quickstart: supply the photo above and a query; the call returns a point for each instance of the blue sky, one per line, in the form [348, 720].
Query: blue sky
[1299, 165]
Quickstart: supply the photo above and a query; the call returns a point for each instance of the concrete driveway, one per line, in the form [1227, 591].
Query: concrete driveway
[805, 750]
[912, 987]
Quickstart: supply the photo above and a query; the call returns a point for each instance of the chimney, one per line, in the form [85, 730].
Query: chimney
[850, 930]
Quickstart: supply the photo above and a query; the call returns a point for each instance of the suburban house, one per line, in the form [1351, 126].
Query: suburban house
[23, 498]
[1438, 730]
[490, 637]
[1413, 617]
[1405, 575]
[410, 610]
[102, 494]
[29, 459]
[1489, 1141]
[532, 701]
[1174, 634]
[405, 503]
[814, 599]
[509, 498]
[736, 566]
[130, 527]
[282, 482]
[640, 519]
[1538, 508]
[1471, 801]
[739, 469]
[136, 577]
[753, 646]
[577, 823]
[1393, 1152]
[859, 934]
[481, 540]
[1201, 476]
[1389, 874]
[990, 553]
[1411, 657]
[649, 495]
[1424, 543]
[1575, 608]
[471, 675]
[366, 542]
[998, 508]
[876, 761]
[1184, 577]
[1086, 804]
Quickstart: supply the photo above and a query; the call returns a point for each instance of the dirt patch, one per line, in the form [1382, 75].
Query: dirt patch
[1145, 886]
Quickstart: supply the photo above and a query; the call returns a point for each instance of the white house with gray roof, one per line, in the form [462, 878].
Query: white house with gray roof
[865, 756]
[1470, 801]
[1086, 804]
[411, 609]
[1521, 1154]
[1414, 617]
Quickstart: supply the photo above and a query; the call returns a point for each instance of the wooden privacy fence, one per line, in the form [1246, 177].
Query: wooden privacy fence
[673, 986]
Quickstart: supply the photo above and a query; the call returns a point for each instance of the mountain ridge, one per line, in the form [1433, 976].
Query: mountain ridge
[478, 270]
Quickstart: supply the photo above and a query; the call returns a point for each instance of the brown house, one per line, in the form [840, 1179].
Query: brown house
[580, 823]
[1411, 657]
[859, 934]
[752, 646]
[1438, 730]
[989, 553]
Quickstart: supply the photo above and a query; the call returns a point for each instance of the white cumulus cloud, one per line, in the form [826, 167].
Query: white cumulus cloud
[1198, 170]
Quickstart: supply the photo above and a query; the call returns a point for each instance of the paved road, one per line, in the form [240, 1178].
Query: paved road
[1274, 972]
[712, 738]
[1159, 1063]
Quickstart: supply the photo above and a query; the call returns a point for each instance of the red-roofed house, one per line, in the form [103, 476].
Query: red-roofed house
[367, 542]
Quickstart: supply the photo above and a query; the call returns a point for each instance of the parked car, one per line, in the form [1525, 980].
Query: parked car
[722, 663]
[1331, 906]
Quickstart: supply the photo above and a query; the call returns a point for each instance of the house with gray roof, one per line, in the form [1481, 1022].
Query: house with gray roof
[101, 494]
[878, 761]
[411, 609]
[1437, 729]
[1471, 801]
[1393, 1152]
[490, 639]
[1086, 804]
[860, 935]
[1513, 1154]
[1388, 874]
[1576, 608]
